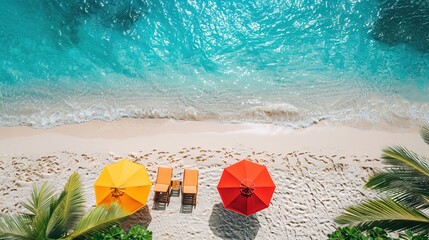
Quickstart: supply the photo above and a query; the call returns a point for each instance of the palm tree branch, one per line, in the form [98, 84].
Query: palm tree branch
[400, 181]
[16, 227]
[39, 205]
[40, 199]
[385, 213]
[424, 132]
[73, 205]
[99, 218]
[69, 210]
[55, 224]
[400, 156]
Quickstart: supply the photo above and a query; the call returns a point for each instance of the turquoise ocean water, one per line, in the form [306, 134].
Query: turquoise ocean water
[291, 63]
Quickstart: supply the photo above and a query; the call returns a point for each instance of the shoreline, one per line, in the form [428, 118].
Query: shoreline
[127, 135]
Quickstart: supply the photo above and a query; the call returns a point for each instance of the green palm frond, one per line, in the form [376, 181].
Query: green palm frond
[100, 218]
[384, 181]
[424, 132]
[406, 182]
[73, 206]
[40, 199]
[16, 227]
[411, 199]
[401, 184]
[407, 176]
[54, 216]
[402, 157]
[54, 225]
[70, 208]
[39, 223]
[387, 214]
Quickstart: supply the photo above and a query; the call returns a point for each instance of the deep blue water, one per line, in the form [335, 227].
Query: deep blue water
[285, 62]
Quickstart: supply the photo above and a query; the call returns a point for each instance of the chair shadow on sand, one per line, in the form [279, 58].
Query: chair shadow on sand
[230, 225]
[141, 217]
[159, 206]
[186, 208]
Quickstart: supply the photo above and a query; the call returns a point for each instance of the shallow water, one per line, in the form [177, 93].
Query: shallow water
[291, 63]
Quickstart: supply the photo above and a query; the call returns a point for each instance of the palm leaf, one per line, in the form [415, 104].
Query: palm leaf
[40, 199]
[424, 132]
[73, 206]
[16, 227]
[385, 213]
[42, 221]
[100, 218]
[54, 225]
[405, 179]
[70, 209]
[402, 157]
[384, 181]
[402, 184]
[39, 206]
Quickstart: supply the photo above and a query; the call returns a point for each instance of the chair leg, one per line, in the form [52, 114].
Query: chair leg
[168, 196]
[155, 197]
[195, 201]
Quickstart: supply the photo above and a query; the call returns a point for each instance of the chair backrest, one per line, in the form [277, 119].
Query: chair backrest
[164, 175]
[190, 177]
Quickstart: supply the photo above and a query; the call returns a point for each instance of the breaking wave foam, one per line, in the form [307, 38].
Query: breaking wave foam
[396, 113]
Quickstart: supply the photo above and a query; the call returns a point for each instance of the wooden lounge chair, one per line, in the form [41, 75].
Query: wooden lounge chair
[190, 187]
[162, 185]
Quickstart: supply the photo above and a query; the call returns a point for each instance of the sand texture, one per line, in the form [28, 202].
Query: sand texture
[310, 192]
[313, 183]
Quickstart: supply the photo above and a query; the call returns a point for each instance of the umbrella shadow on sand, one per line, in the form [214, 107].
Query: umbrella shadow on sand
[230, 225]
[141, 217]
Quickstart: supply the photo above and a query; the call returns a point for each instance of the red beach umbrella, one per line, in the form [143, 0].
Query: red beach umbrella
[246, 187]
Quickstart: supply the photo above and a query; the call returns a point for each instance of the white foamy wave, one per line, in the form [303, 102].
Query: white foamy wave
[52, 119]
[374, 111]
[276, 110]
[281, 114]
[49, 120]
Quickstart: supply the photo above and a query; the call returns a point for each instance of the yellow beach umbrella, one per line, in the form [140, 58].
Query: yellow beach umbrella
[125, 182]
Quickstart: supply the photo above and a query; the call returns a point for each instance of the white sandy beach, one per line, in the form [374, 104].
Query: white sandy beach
[317, 170]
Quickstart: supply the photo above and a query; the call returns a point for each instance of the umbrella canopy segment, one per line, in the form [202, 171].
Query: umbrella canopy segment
[246, 187]
[125, 182]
